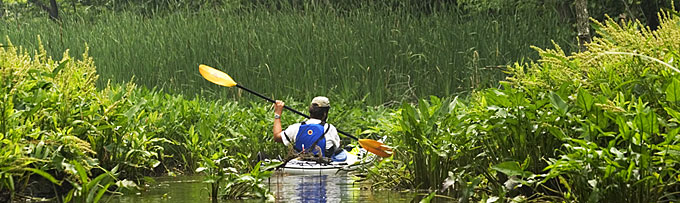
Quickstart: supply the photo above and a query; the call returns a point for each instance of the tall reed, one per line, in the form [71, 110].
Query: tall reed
[387, 53]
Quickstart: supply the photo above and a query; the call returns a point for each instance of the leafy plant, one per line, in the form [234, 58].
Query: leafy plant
[593, 126]
[88, 190]
[225, 182]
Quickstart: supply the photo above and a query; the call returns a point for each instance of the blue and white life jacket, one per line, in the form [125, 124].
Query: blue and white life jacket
[309, 136]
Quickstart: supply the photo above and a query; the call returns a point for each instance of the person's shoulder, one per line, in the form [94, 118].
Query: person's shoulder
[331, 126]
[295, 125]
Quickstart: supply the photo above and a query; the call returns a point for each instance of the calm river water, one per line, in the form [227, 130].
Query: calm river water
[317, 188]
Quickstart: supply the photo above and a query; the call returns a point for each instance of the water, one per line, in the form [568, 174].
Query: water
[286, 188]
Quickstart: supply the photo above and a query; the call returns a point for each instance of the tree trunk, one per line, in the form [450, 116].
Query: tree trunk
[53, 10]
[582, 25]
[2, 9]
[73, 3]
[650, 8]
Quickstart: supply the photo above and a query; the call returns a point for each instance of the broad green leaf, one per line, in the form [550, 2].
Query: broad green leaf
[82, 173]
[101, 192]
[604, 87]
[646, 121]
[511, 168]
[44, 175]
[96, 181]
[271, 165]
[70, 195]
[492, 199]
[584, 100]
[128, 184]
[194, 136]
[673, 113]
[629, 172]
[154, 163]
[564, 182]
[673, 91]
[60, 67]
[132, 111]
[616, 152]
[558, 103]
[429, 197]
[496, 97]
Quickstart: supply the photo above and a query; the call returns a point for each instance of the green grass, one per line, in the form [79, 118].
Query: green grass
[390, 55]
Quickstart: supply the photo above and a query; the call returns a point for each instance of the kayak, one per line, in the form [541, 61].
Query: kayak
[350, 161]
[354, 159]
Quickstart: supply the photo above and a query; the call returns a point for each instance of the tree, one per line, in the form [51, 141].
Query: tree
[53, 9]
[651, 8]
[582, 25]
[2, 9]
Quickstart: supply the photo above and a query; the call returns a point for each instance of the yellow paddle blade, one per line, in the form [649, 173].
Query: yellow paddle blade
[216, 76]
[376, 147]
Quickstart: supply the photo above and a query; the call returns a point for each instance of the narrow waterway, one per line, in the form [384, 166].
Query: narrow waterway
[286, 188]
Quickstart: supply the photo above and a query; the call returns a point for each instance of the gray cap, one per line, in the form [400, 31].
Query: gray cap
[321, 101]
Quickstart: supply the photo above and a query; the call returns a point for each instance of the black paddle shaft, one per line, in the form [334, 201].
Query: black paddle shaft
[290, 109]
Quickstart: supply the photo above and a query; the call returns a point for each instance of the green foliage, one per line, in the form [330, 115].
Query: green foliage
[226, 183]
[55, 124]
[491, 6]
[46, 104]
[249, 184]
[623, 134]
[426, 141]
[600, 125]
[88, 190]
[395, 54]
[591, 126]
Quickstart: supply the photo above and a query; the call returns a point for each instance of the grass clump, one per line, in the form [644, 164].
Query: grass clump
[390, 54]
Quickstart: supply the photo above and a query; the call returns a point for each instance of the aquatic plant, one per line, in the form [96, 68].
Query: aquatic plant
[43, 133]
[583, 127]
[622, 107]
[226, 182]
[425, 141]
[86, 190]
[250, 185]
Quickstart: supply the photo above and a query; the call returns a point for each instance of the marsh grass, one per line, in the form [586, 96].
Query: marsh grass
[386, 53]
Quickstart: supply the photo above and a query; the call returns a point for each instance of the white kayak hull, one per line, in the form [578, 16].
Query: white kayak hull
[355, 158]
[313, 169]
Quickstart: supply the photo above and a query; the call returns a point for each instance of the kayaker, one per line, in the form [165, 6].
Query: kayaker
[310, 133]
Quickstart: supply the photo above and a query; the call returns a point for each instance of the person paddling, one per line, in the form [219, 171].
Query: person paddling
[307, 135]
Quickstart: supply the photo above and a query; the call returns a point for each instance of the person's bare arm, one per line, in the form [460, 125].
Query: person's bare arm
[276, 129]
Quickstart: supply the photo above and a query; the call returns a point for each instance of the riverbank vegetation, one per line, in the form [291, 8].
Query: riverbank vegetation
[598, 125]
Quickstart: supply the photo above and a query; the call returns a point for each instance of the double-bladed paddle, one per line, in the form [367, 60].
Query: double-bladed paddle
[218, 77]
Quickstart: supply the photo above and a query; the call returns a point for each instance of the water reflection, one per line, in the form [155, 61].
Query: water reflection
[286, 188]
[313, 188]
[329, 188]
[170, 189]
